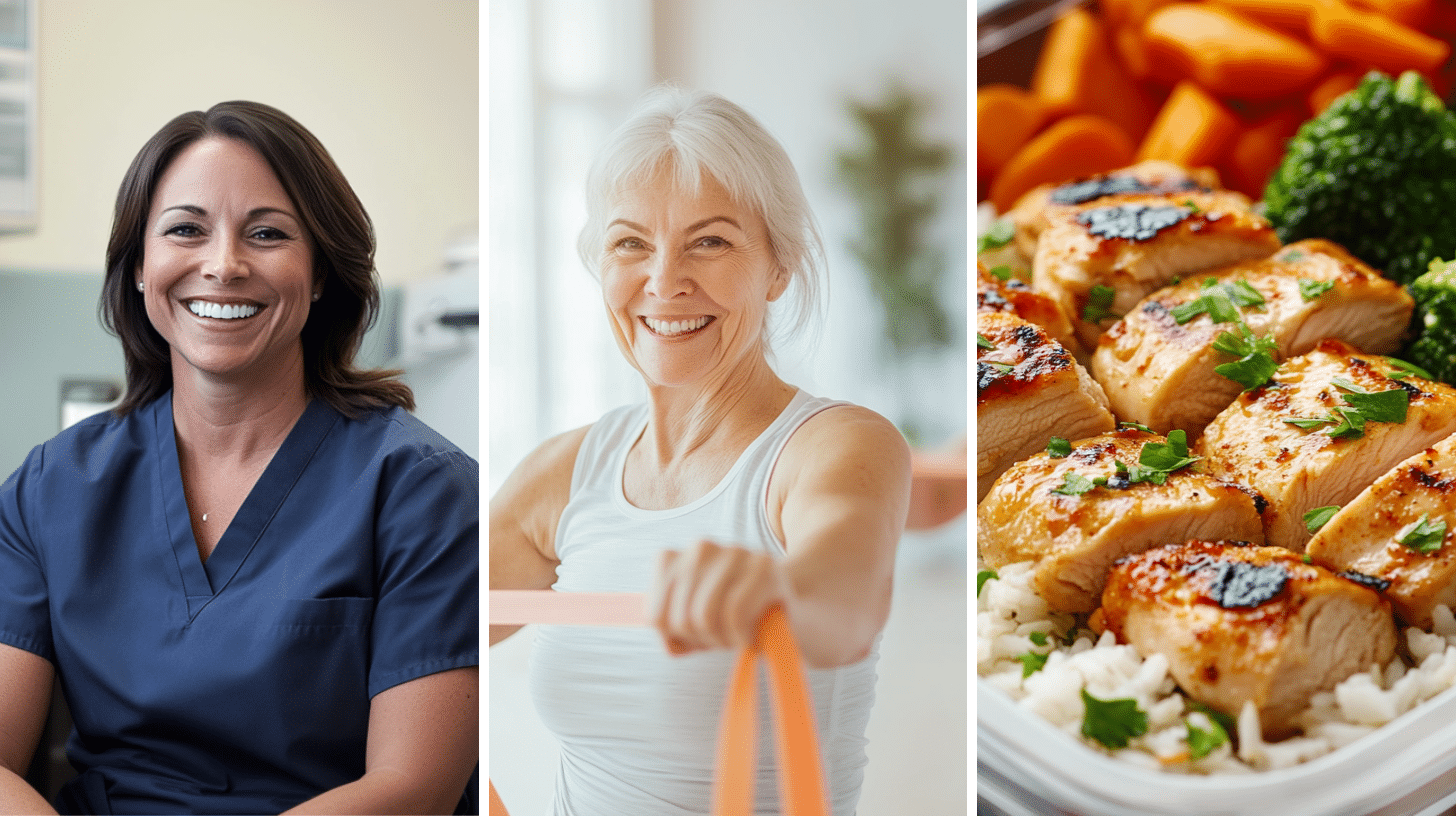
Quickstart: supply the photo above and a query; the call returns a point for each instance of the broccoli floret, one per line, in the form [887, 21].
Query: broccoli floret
[1376, 172]
[1435, 318]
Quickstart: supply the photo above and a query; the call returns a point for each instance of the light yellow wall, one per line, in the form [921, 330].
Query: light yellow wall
[391, 87]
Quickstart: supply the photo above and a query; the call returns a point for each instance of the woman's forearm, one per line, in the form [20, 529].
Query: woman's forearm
[17, 796]
[834, 621]
[383, 791]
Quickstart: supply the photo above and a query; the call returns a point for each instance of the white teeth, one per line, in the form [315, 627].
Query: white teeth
[220, 311]
[669, 328]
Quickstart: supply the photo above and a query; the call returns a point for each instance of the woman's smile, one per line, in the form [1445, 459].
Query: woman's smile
[218, 310]
[676, 328]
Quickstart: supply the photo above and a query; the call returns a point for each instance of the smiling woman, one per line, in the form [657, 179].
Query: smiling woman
[727, 493]
[275, 530]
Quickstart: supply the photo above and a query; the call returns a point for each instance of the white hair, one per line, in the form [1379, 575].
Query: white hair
[695, 133]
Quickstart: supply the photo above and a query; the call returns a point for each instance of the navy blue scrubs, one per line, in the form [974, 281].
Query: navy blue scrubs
[240, 684]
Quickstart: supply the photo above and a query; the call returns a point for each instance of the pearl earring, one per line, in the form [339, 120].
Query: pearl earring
[317, 295]
[141, 286]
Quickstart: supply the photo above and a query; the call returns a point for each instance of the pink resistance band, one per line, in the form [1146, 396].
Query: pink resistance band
[801, 781]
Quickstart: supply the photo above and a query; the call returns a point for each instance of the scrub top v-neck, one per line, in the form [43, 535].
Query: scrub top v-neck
[239, 684]
[202, 580]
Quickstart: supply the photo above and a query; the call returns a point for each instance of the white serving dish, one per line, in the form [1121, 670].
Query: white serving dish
[1026, 767]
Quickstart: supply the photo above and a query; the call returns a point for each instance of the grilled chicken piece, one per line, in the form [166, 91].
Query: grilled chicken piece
[1399, 531]
[1321, 458]
[1097, 260]
[1241, 623]
[1028, 389]
[1035, 513]
[1161, 374]
[1015, 296]
[1153, 176]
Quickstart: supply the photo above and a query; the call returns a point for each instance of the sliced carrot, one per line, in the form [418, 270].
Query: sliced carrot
[1132, 51]
[1070, 148]
[1288, 16]
[1192, 129]
[1077, 72]
[1257, 150]
[1416, 14]
[1368, 38]
[1128, 12]
[1006, 118]
[1230, 55]
[1331, 88]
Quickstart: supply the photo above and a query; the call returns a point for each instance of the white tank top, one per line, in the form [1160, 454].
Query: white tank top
[638, 728]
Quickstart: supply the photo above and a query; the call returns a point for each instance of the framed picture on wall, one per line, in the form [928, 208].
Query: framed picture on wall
[18, 114]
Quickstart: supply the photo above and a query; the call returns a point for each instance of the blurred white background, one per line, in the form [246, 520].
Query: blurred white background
[561, 75]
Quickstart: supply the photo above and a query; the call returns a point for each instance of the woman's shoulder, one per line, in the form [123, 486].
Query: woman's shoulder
[550, 465]
[396, 429]
[842, 434]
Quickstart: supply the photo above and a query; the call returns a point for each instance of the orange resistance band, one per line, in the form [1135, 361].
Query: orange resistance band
[801, 782]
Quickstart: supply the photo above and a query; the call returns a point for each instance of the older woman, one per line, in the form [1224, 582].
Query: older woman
[256, 578]
[727, 492]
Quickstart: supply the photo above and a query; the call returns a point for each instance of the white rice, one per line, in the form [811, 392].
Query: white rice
[1009, 612]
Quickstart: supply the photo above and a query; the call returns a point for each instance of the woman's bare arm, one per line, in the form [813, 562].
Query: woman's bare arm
[25, 697]
[422, 746]
[839, 493]
[523, 516]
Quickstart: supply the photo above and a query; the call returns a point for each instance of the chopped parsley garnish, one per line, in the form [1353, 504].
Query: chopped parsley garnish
[1157, 459]
[1038, 638]
[999, 235]
[1220, 301]
[1404, 369]
[1112, 722]
[1031, 662]
[1058, 448]
[1381, 406]
[1255, 363]
[1312, 289]
[1003, 272]
[1137, 426]
[1202, 742]
[982, 577]
[1291, 256]
[1224, 721]
[1423, 535]
[1360, 406]
[1319, 517]
[1192, 205]
[1000, 368]
[983, 343]
[1099, 304]
[1075, 484]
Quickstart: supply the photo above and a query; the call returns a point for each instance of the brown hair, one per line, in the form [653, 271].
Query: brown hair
[340, 232]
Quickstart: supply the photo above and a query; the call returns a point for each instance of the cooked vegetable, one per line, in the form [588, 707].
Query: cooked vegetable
[1006, 118]
[1289, 16]
[1319, 517]
[1112, 722]
[1369, 38]
[1435, 296]
[1257, 150]
[1331, 88]
[1226, 53]
[1077, 73]
[1376, 172]
[1423, 535]
[1074, 147]
[1192, 129]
